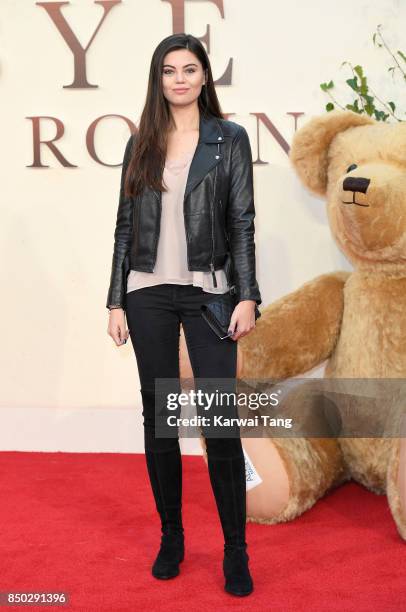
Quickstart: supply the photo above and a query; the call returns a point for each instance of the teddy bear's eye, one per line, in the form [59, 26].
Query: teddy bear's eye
[352, 167]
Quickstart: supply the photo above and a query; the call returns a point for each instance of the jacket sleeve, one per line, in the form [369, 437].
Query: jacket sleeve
[240, 219]
[122, 240]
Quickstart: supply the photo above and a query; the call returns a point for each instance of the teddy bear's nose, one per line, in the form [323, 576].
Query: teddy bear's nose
[356, 183]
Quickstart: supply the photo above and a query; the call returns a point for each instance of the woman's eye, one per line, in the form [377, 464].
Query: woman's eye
[352, 167]
[169, 71]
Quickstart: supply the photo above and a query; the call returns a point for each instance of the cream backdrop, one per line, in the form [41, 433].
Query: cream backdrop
[65, 385]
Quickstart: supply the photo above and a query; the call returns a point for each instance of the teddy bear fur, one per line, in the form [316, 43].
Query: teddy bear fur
[354, 320]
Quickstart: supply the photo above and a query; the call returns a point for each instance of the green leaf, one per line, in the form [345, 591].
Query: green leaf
[369, 109]
[392, 105]
[358, 70]
[364, 87]
[402, 55]
[326, 86]
[380, 115]
[329, 106]
[353, 83]
[353, 108]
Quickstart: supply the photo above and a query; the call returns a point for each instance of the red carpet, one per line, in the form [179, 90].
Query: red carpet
[86, 524]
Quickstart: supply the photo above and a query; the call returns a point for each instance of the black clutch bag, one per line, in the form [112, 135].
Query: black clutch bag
[217, 312]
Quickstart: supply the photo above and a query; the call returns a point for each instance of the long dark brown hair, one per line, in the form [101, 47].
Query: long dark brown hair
[148, 156]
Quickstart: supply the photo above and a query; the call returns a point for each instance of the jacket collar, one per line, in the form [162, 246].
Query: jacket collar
[209, 129]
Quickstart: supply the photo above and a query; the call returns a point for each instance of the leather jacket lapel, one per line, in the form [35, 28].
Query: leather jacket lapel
[206, 155]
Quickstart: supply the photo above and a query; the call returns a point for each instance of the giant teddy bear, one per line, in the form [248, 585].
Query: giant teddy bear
[354, 322]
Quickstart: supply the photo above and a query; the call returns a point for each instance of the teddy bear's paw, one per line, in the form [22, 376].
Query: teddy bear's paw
[288, 475]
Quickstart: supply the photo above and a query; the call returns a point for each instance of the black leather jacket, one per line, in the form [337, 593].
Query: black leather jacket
[218, 215]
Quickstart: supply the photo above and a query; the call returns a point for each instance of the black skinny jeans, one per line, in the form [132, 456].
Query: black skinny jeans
[153, 316]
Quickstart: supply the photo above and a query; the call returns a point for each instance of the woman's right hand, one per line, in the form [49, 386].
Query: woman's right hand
[117, 326]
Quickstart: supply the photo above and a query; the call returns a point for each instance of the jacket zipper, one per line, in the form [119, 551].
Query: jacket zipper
[212, 228]
[187, 235]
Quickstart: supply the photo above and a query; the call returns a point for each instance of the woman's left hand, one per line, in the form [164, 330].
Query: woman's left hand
[243, 319]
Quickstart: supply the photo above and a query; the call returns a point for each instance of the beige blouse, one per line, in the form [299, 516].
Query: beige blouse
[171, 262]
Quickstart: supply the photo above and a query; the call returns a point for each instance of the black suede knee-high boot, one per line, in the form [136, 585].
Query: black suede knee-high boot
[165, 472]
[164, 464]
[227, 476]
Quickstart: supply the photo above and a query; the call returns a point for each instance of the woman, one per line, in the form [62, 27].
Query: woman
[185, 231]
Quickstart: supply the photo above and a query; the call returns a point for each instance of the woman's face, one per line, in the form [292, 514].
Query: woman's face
[182, 77]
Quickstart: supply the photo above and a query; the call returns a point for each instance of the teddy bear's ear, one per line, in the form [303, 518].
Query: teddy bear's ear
[311, 142]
